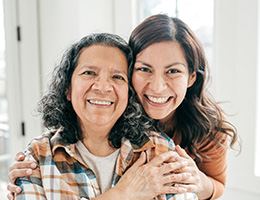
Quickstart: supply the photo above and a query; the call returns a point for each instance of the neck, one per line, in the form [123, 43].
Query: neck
[169, 124]
[96, 140]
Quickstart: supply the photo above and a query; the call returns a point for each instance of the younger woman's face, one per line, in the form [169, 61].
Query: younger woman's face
[161, 78]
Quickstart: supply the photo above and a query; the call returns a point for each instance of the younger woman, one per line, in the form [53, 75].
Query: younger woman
[169, 78]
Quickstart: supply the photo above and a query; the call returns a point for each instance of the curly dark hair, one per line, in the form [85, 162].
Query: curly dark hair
[199, 117]
[58, 112]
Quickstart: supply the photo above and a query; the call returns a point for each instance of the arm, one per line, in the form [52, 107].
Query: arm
[141, 180]
[208, 178]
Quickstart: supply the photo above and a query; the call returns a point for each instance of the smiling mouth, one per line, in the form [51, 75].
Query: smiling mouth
[159, 100]
[100, 103]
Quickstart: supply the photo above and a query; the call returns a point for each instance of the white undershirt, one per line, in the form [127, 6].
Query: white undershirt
[103, 167]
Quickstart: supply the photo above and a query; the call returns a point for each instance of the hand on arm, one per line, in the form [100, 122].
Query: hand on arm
[18, 169]
[198, 182]
[146, 181]
[141, 181]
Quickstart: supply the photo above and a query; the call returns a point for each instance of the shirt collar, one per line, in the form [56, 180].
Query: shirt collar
[58, 142]
[127, 148]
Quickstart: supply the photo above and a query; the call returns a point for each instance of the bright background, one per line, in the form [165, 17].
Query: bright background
[229, 31]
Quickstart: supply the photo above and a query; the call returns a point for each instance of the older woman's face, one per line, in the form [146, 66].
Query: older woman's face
[161, 78]
[99, 86]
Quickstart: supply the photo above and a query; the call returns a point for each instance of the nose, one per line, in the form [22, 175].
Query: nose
[158, 83]
[102, 85]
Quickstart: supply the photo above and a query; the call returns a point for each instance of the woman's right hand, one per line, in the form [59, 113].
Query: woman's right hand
[146, 181]
[18, 169]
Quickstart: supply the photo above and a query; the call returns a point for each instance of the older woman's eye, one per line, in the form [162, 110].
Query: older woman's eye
[91, 73]
[119, 77]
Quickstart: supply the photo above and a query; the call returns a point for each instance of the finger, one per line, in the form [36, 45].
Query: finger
[13, 189]
[181, 170]
[22, 165]
[140, 161]
[164, 157]
[10, 196]
[188, 187]
[181, 152]
[19, 156]
[177, 178]
[167, 168]
[169, 189]
[16, 173]
[174, 158]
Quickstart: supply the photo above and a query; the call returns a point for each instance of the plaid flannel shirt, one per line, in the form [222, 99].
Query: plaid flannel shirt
[61, 176]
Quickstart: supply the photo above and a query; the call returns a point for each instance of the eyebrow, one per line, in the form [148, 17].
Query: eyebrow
[96, 68]
[168, 66]
[88, 66]
[119, 71]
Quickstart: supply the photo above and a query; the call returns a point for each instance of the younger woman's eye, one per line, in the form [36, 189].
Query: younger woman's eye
[143, 69]
[172, 71]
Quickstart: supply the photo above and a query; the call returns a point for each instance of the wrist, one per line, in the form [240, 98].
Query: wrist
[207, 187]
[118, 193]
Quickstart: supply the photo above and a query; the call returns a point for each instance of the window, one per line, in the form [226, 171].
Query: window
[199, 15]
[4, 154]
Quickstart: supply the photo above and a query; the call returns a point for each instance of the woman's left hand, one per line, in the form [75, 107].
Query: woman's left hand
[198, 182]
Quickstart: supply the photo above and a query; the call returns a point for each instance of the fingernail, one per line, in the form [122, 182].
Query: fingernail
[20, 156]
[28, 171]
[185, 163]
[18, 190]
[186, 175]
[33, 165]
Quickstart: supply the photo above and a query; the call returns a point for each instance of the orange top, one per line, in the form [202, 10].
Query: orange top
[214, 166]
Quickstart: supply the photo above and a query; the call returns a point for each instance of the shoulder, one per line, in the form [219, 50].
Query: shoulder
[215, 149]
[43, 139]
[41, 145]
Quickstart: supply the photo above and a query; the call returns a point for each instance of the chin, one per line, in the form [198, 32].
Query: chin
[156, 116]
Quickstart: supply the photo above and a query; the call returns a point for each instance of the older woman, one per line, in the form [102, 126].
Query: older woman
[96, 135]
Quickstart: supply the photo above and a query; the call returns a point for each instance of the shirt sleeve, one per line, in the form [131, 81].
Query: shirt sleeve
[214, 165]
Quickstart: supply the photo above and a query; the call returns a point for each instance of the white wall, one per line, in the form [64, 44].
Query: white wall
[236, 39]
[63, 22]
[48, 26]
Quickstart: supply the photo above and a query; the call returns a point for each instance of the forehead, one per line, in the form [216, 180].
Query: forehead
[103, 56]
[163, 53]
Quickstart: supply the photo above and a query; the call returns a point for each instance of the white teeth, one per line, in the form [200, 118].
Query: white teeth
[158, 100]
[100, 102]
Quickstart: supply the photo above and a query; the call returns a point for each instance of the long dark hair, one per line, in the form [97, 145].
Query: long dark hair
[58, 112]
[198, 118]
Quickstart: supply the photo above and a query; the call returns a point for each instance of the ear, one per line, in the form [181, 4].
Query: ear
[192, 79]
[68, 94]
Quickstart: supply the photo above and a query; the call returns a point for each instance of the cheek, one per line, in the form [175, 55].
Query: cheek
[78, 89]
[138, 82]
[179, 86]
[123, 94]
